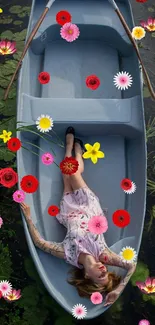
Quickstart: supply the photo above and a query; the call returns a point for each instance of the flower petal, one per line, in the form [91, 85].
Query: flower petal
[87, 155]
[88, 147]
[94, 159]
[96, 146]
[148, 282]
[100, 154]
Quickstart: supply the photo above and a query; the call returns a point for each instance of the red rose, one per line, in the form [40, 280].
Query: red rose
[8, 177]
[44, 77]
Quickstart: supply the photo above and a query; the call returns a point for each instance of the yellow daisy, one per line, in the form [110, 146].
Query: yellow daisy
[128, 254]
[6, 136]
[44, 123]
[93, 152]
[1, 10]
[138, 32]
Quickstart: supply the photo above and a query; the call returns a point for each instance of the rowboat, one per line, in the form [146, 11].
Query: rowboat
[108, 115]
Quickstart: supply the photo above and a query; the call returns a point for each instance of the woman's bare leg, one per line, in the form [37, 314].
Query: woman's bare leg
[76, 179]
[68, 153]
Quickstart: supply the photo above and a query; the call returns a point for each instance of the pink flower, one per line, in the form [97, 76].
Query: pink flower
[122, 80]
[13, 295]
[98, 225]
[5, 287]
[47, 158]
[7, 47]
[147, 287]
[149, 25]
[70, 32]
[19, 196]
[144, 322]
[1, 222]
[96, 298]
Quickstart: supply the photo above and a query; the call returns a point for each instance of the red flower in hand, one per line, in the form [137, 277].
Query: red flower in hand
[29, 184]
[63, 17]
[44, 77]
[121, 218]
[8, 177]
[92, 82]
[53, 210]
[14, 144]
[69, 166]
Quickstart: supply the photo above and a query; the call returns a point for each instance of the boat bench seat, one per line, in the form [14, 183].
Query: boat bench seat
[82, 110]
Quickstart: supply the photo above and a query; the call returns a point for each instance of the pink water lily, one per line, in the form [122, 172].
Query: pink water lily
[1, 222]
[13, 295]
[7, 47]
[149, 25]
[147, 287]
[144, 322]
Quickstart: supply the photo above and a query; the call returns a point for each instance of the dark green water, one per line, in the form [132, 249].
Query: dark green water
[16, 265]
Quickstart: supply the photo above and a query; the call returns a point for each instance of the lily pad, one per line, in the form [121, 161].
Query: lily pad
[149, 298]
[22, 14]
[7, 35]
[141, 273]
[19, 46]
[6, 154]
[153, 34]
[18, 22]
[6, 21]
[146, 92]
[17, 56]
[20, 36]
[15, 9]
[8, 107]
[151, 9]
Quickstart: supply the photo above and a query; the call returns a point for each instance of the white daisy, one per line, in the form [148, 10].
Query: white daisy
[132, 189]
[5, 287]
[122, 80]
[128, 254]
[79, 311]
[44, 123]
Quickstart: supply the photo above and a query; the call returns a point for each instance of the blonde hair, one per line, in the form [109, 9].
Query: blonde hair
[86, 287]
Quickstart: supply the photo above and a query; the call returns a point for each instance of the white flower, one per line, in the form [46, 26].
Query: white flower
[122, 80]
[44, 123]
[5, 287]
[128, 254]
[79, 311]
[132, 189]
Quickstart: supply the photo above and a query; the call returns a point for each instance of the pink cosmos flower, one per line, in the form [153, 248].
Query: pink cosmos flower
[147, 287]
[98, 225]
[1, 222]
[7, 47]
[13, 295]
[79, 311]
[96, 298]
[70, 32]
[144, 322]
[19, 196]
[47, 158]
[122, 80]
[5, 287]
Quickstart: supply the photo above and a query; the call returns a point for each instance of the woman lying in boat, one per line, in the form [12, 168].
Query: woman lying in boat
[79, 247]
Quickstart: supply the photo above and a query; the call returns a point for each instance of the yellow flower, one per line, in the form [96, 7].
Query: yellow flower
[128, 254]
[1, 10]
[93, 152]
[6, 136]
[44, 123]
[138, 32]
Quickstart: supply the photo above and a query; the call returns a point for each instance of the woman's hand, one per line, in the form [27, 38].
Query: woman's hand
[26, 210]
[111, 298]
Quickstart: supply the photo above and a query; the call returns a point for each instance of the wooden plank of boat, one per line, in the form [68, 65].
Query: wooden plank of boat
[113, 117]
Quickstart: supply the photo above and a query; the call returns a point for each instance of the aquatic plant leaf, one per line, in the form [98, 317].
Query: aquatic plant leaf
[30, 297]
[6, 155]
[153, 34]
[15, 9]
[20, 36]
[4, 82]
[35, 316]
[6, 20]
[146, 92]
[63, 320]
[151, 9]
[18, 22]
[9, 107]
[1, 92]
[7, 35]
[19, 46]
[22, 14]
[17, 56]
[32, 273]
[12, 93]
[6, 263]
[141, 273]
[2, 104]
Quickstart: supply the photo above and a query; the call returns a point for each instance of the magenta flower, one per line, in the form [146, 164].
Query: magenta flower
[96, 298]
[7, 47]
[13, 295]
[70, 32]
[1, 222]
[98, 225]
[144, 322]
[47, 158]
[19, 196]
[149, 25]
[147, 287]
[5, 287]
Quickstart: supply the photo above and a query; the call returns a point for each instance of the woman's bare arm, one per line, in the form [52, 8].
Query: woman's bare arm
[53, 248]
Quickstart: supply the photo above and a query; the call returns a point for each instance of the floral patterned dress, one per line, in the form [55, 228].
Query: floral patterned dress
[76, 209]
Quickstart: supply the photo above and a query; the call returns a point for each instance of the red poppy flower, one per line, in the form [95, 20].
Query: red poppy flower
[63, 17]
[14, 144]
[92, 82]
[8, 177]
[142, 1]
[44, 77]
[53, 210]
[29, 184]
[121, 218]
[126, 184]
[69, 165]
